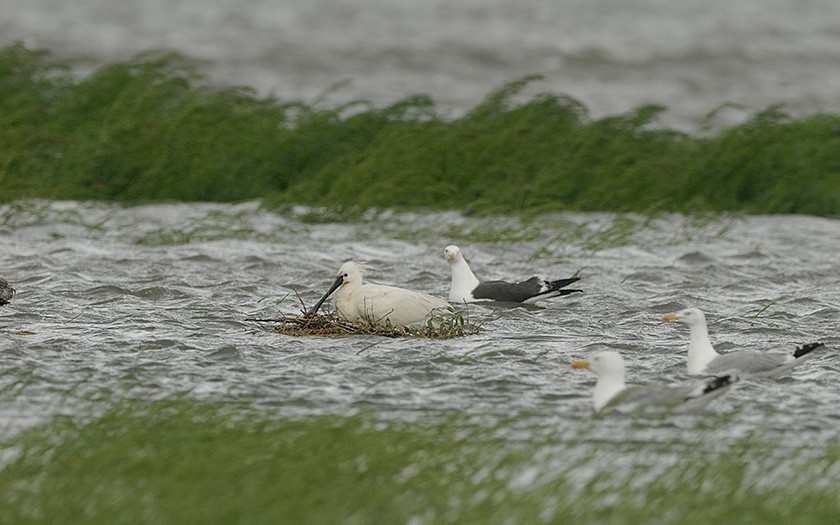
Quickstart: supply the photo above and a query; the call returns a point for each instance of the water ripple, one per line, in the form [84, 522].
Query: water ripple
[116, 315]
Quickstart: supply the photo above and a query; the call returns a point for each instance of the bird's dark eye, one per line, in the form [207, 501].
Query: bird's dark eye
[345, 275]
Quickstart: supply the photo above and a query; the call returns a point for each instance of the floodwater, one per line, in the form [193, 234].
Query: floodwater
[690, 56]
[149, 302]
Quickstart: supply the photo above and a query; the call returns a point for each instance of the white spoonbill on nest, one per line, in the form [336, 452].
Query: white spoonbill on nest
[466, 288]
[356, 301]
[704, 359]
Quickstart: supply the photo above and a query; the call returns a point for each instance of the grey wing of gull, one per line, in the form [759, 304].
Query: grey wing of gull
[677, 397]
[646, 395]
[749, 362]
[508, 292]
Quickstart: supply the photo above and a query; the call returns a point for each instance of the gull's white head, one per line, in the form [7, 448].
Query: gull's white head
[609, 367]
[689, 316]
[603, 364]
[700, 349]
[452, 253]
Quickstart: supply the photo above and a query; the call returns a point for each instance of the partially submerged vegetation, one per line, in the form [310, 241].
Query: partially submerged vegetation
[182, 461]
[153, 129]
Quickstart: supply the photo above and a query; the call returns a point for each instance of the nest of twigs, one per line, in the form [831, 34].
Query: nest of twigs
[307, 323]
[317, 324]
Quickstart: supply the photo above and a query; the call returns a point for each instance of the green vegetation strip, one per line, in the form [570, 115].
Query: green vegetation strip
[181, 461]
[153, 129]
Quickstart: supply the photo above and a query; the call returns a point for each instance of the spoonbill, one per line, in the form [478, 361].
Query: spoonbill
[376, 303]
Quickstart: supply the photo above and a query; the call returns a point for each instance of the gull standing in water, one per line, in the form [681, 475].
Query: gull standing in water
[704, 360]
[6, 292]
[466, 288]
[611, 393]
[376, 303]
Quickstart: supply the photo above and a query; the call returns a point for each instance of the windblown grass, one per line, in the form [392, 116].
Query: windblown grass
[153, 129]
[191, 462]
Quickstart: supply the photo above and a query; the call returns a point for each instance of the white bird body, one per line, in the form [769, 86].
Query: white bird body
[464, 280]
[704, 360]
[609, 368]
[375, 303]
[466, 288]
[611, 392]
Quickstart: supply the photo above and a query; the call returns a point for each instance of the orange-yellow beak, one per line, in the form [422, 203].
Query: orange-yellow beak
[452, 256]
[580, 364]
[670, 317]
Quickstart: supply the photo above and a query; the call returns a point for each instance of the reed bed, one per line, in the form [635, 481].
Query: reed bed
[155, 129]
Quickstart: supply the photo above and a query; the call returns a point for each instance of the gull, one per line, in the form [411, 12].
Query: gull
[703, 359]
[6, 292]
[376, 303]
[612, 394]
[466, 288]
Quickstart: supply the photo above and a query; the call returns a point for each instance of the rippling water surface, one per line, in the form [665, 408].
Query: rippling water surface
[149, 302]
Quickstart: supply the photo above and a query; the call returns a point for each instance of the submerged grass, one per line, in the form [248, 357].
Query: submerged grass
[180, 461]
[153, 129]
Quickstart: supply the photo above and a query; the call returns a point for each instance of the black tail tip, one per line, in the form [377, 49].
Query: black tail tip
[567, 291]
[720, 382]
[561, 283]
[806, 349]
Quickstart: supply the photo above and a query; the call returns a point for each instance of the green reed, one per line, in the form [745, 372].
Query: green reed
[153, 129]
[180, 461]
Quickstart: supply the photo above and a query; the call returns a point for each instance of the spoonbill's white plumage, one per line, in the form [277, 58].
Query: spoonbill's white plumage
[356, 301]
[611, 393]
[6, 292]
[466, 288]
[704, 360]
